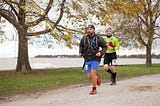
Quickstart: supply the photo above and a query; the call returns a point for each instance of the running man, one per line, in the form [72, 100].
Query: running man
[110, 58]
[89, 48]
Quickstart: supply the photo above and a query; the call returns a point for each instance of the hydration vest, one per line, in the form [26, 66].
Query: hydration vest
[90, 48]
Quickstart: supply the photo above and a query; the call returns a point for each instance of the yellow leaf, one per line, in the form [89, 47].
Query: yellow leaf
[23, 8]
[33, 5]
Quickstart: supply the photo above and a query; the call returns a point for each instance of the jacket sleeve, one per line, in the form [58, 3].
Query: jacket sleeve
[117, 45]
[102, 44]
[81, 45]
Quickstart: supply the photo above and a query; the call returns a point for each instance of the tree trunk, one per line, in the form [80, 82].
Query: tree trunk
[148, 55]
[23, 59]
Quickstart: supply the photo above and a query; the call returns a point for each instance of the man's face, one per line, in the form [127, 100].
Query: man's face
[90, 31]
[109, 32]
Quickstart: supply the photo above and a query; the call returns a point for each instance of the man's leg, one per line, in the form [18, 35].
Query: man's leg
[92, 76]
[113, 75]
[94, 68]
[83, 67]
[89, 76]
[88, 71]
[98, 79]
[107, 69]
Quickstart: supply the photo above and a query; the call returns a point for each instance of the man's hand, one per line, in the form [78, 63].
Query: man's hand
[79, 55]
[98, 54]
[110, 47]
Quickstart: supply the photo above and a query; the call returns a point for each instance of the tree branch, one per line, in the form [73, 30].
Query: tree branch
[36, 22]
[55, 24]
[61, 13]
[141, 40]
[49, 30]
[10, 4]
[156, 6]
[8, 16]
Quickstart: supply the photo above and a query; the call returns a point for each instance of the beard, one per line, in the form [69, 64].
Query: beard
[90, 33]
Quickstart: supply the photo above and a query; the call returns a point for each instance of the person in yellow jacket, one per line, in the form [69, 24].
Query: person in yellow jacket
[110, 57]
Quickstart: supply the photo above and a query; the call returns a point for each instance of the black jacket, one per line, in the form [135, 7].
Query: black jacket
[89, 46]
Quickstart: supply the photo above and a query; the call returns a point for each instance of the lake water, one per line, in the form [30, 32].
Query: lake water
[41, 63]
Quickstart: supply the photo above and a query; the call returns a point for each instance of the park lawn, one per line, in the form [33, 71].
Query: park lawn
[17, 83]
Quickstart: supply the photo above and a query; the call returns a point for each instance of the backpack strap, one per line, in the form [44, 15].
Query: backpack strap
[95, 39]
[110, 40]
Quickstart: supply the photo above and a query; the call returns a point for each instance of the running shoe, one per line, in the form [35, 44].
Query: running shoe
[93, 92]
[113, 83]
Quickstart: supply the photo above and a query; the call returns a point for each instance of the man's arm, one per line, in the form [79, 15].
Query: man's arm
[81, 46]
[102, 44]
[117, 45]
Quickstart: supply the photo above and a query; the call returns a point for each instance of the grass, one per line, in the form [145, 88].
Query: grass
[16, 83]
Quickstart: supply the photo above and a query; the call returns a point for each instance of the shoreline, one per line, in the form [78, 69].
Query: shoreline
[42, 63]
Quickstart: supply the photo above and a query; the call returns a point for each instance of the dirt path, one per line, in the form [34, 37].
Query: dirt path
[140, 91]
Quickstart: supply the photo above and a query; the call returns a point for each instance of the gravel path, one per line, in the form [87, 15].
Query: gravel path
[139, 91]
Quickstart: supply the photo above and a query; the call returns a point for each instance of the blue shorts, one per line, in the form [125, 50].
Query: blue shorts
[91, 65]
